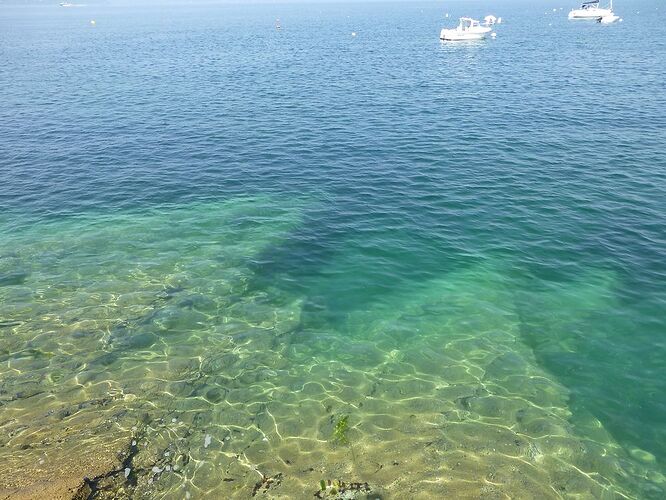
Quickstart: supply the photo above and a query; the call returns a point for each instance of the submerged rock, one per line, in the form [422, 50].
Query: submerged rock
[16, 278]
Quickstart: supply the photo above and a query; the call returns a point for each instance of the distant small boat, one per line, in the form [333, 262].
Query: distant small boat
[467, 29]
[591, 10]
[66, 4]
[489, 20]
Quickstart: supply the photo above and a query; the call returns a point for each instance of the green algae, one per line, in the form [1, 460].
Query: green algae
[341, 429]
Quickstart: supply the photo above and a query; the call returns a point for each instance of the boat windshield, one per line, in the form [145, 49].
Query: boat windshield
[466, 22]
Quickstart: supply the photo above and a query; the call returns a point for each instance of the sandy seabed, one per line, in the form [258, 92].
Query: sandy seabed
[138, 360]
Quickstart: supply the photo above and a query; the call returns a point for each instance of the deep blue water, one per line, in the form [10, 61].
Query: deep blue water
[539, 153]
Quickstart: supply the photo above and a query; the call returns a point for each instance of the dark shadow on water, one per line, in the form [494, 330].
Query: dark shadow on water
[344, 265]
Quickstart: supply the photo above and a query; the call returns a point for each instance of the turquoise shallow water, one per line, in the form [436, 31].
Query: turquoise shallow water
[219, 240]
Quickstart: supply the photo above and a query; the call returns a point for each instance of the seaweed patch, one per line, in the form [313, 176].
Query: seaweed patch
[266, 483]
[341, 490]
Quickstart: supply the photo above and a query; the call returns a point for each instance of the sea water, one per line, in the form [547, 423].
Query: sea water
[237, 260]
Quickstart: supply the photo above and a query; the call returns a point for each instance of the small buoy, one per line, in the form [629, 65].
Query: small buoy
[93, 22]
[494, 35]
[353, 33]
[446, 15]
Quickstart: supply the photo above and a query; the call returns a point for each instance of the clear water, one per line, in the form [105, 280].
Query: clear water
[218, 240]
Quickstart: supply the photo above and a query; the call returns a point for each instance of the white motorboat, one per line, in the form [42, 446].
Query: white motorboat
[489, 20]
[467, 29]
[591, 10]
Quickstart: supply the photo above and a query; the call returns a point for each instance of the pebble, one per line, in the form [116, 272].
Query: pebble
[174, 420]
[207, 440]
[642, 455]
[127, 472]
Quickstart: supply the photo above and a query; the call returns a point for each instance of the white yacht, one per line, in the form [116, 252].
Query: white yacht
[591, 10]
[467, 29]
